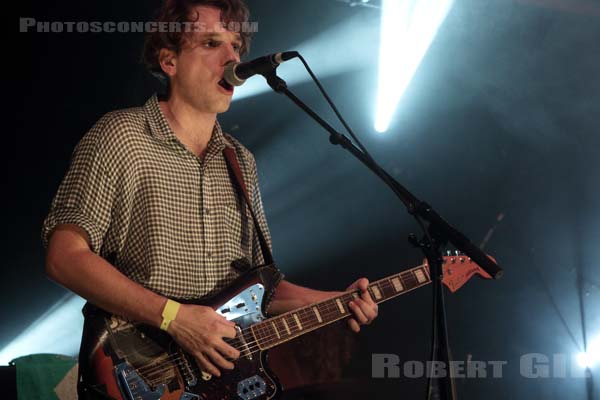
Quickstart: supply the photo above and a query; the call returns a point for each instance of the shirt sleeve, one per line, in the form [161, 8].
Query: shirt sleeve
[86, 194]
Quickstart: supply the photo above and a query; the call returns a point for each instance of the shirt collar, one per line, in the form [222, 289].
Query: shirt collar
[160, 129]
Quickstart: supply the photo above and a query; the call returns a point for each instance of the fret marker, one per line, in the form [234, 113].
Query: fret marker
[420, 276]
[287, 328]
[376, 292]
[340, 306]
[355, 295]
[276, 331]
[297, 321]
[397, 284]
[318, 314]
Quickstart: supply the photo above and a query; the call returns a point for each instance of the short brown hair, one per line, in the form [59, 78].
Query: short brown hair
[178, 11]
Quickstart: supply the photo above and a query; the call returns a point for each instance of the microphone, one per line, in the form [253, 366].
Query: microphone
[237, 73]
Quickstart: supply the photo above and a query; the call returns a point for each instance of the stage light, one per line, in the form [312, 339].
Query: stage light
[57, 331]
[591, 357]
[406, 32]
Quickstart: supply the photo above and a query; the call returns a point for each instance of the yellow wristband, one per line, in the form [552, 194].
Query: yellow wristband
[169, 313]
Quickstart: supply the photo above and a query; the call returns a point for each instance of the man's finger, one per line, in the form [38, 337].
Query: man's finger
[369, 308]
[206, 365]
[228, 350]
[358, 312]
[354, 326]
[218, 359]
[366, 296]
[227, 322]
[363, 284]
[227, 331]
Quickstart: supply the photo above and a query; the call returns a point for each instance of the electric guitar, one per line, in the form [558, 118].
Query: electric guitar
[134, 361]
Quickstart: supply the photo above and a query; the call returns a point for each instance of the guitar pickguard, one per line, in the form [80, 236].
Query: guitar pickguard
[245, 308]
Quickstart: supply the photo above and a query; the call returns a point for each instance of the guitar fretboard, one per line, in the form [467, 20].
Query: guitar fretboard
[280, 329]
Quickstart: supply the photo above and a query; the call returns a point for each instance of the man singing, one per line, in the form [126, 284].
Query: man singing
[148, 211]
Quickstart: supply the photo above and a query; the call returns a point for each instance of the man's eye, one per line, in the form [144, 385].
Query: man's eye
[211, 43]
[237, 48]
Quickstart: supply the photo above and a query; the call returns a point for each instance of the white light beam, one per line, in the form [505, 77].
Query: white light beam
[407, 30]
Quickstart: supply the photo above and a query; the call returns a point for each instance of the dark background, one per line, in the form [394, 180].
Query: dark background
[499, 130]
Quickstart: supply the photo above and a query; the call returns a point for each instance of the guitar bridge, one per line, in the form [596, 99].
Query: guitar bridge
[132, 385]
[185, 367]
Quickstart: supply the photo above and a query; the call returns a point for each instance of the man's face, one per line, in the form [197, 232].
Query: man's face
[199, 67]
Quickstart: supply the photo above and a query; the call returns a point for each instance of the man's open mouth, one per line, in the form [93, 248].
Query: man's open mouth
[223, 83]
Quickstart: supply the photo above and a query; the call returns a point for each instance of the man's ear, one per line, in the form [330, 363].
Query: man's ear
[168, 61]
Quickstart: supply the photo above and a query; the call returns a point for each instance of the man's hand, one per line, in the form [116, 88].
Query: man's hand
[364, 308]
[200, 331]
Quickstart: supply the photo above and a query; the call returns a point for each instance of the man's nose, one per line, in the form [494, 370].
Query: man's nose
[230, 55]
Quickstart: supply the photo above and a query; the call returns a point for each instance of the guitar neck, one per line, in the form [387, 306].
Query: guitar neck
[285, 327]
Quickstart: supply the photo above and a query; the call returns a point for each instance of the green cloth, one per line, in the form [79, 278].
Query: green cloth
[38, 375]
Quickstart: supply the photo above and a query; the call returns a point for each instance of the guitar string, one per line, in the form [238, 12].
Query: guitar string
[165, 368]
[247, 349]
[250, 349]
[331, 302]
[327, 307]
[156, 375]
[379, 283]
[257, 328]
[385, 282]
[160, 371]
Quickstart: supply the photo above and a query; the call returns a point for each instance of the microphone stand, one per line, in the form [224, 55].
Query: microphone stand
[437, 235]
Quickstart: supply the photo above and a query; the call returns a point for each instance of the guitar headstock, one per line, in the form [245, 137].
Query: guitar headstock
[457, 269]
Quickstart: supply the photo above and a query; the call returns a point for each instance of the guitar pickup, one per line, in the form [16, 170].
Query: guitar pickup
[225, 310]
[240, 305]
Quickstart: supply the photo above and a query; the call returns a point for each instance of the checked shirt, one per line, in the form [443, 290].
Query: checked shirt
[164, 217]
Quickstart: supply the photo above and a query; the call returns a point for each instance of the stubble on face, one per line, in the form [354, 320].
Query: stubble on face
[201, 62]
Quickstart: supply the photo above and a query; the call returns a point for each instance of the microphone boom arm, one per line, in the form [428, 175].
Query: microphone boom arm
[439, 229]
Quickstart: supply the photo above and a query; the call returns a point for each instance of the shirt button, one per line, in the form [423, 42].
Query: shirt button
[207, 211]
[208, 254]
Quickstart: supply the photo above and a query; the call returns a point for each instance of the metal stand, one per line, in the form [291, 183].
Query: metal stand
[437, 234]
[440, 383]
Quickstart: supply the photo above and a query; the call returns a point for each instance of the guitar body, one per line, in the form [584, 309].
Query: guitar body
[125, 360]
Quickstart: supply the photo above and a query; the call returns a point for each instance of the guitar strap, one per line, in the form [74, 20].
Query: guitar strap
[238, 179]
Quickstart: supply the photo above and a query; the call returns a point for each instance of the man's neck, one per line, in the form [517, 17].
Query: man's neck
[194, 129]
